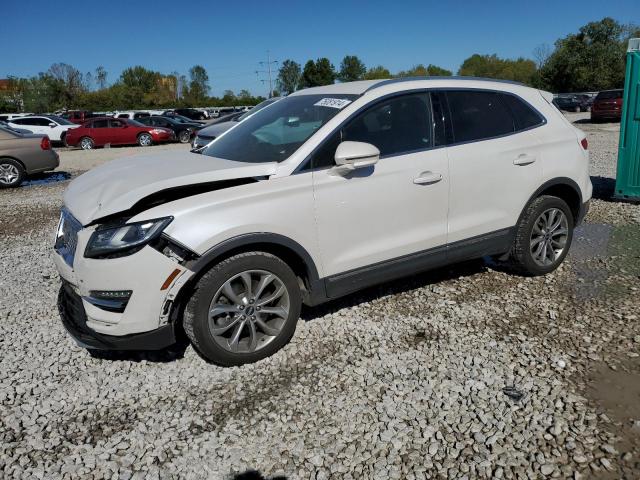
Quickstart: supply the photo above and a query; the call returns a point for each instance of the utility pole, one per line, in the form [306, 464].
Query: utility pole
[268, 64]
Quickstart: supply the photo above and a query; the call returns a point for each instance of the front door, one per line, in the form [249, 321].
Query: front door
[389, 215]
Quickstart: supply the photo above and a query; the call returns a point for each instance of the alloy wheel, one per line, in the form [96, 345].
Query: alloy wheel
[184, 137]
[8, 174]
[145, 140]
[249, 311]
[86, 144]
[549, 237]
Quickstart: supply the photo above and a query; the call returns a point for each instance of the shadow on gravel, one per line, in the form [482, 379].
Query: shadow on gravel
[394, 287]
[603, 188]
[46, 178]
[255, 475]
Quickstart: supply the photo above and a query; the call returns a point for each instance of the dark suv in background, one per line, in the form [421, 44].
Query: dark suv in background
[190, 113]
[607, 106]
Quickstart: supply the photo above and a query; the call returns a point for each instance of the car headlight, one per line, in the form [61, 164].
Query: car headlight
[118, 241]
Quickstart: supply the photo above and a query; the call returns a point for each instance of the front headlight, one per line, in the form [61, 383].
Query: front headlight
[121, 240]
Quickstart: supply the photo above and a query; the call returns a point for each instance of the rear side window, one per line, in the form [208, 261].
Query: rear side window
[100, 124]
[610, 95]
[477, 115]
[525, 116]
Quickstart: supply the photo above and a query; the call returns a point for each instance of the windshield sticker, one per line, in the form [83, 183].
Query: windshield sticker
[333, 103]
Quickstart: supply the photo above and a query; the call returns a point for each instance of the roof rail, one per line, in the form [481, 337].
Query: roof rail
[455, 77]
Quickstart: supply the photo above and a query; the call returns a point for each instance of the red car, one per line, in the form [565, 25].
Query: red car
[98, 132]
[607, 106]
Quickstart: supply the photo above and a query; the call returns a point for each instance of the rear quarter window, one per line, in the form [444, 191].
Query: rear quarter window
[524, 115]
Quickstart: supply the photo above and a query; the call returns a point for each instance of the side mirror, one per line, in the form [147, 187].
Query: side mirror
[52, 125]
[354, 155]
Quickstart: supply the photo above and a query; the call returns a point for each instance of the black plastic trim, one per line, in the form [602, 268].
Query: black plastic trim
[74, 320]
[493, 243]
[564, 181]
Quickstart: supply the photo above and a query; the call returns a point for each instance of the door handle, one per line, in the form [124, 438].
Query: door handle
[524, 159]
[427, 178]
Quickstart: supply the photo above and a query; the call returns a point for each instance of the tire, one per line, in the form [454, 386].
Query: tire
[538, 249]
[145, 140]
[86, 143]
[184, 136]
[63, 139]
[577, 109]
[12, 173]
[260, 334]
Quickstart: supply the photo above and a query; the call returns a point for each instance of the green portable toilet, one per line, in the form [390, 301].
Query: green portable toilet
[628, 176]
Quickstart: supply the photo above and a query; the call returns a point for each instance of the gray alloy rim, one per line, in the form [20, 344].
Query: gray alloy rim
[86, 144]
[9, 174]
[549, 237]
[145, 140]
[249, 311]
[184, 137]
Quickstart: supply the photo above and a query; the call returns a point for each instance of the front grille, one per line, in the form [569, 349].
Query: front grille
[67, 236]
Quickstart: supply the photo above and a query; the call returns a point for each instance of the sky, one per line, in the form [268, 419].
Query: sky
[230, 38]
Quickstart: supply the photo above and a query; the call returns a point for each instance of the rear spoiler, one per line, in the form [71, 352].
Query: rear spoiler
[548, 96]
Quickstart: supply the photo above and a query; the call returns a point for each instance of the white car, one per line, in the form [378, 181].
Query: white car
[132, 114]
[52, 125]
[327, 191]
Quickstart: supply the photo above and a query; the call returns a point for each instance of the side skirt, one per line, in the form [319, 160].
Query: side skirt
[493, 243]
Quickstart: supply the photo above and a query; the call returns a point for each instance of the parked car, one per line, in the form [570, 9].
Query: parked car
[184, 132]
[53, 126]
[23, 154]
[4, 124]
[116, 131]
[607, 106]
[79, 116]
[190, 113]
[327, 191]
[568, 103]
[222, 124]
[181, 119]
[133, 115]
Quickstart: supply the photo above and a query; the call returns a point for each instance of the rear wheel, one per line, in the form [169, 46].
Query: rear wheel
[144, 140]
[244, 309]
[12, 173]
[543, 236]
[184, 136]
[86, 143]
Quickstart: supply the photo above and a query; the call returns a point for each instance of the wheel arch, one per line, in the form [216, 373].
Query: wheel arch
[561, 187]
[15, 160]
[288, 250]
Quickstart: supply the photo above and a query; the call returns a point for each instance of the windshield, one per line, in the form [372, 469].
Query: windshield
[610, 94]
[273, 134]
[257, 108]
[60, 120]
[181, 119]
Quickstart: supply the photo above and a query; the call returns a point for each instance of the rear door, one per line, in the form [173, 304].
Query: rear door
[494, 162]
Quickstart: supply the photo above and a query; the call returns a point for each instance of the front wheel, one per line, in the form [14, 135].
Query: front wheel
[543, 236]
[244, 309]
[144, 140]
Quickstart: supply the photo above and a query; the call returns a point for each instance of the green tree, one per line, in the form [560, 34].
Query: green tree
[317, 73]
[377, 73]
[199, 84]
[69, 82]
[592, 59]
[351, 69]
[436, 71]
[289, 77]
[139, 78]
[491, 66]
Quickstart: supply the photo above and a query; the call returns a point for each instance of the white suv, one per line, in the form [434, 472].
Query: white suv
[325, 192]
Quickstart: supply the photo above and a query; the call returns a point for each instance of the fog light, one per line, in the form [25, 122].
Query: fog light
[109, 300]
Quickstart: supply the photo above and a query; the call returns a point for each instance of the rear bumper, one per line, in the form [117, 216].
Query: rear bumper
[584, 210]
[74, 320]
[615, 114]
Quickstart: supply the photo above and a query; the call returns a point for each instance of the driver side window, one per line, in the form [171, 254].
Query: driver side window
[396, 126]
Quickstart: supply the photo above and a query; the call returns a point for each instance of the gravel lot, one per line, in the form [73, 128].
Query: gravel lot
[402, 381]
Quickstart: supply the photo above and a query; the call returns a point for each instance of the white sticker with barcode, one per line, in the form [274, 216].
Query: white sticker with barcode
[333, 103]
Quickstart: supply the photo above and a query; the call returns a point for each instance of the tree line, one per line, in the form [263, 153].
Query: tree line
[591, 59]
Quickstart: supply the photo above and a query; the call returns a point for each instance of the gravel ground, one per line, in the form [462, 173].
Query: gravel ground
[466, 372]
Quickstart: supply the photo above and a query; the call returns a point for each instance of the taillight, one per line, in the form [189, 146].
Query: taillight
[45, 144]
[585, 144]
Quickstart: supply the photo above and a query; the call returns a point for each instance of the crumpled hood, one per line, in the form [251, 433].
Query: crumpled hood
[116, 186]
